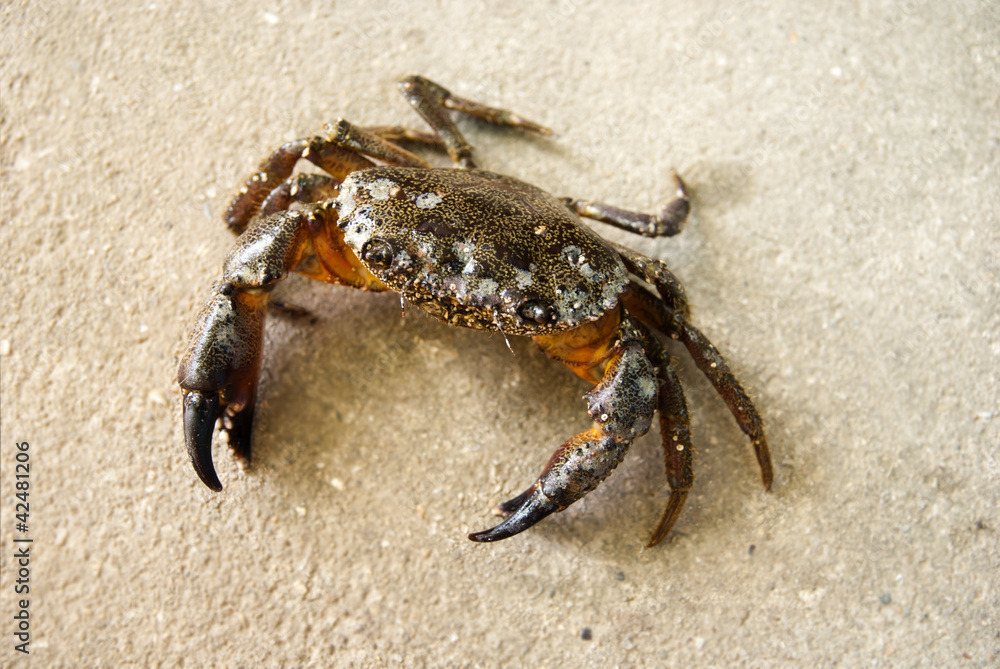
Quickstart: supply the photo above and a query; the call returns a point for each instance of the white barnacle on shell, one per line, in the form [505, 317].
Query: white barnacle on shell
[569, 304]
[345, 201]
[463, 250]
[573, 254]
[428, 200]
[525, 277]
[487, 287]
[402, 260]
[460, 289]
[380, 188]
[609, 294]
[358, 228]
[429, 253]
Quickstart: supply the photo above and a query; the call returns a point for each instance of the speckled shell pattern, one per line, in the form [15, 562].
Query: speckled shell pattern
[472, 247]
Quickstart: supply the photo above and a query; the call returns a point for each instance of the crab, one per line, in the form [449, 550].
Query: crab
[473, 249]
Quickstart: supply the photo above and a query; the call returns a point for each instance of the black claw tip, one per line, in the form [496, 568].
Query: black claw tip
[485, 536]
[525, 510]
[200, 414]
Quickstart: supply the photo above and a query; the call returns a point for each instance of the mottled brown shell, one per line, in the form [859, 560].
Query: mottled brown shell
[479, 249]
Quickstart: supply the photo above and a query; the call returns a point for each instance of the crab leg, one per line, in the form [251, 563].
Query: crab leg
[622, 406]
[338, 154]
[398, 133]
[675, 430]
[303, 188]
[219, 371]
[648, 308]
[433, 101]
[348, 135]
[667, 223]
[657, 273]
[336, 160]
[710, 362]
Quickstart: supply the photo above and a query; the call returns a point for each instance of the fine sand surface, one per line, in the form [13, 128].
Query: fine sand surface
[843, 252]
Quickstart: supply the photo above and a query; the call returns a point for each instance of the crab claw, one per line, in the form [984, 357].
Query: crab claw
[576, 468]
[522, 512]
[218, 376]
[200, 413]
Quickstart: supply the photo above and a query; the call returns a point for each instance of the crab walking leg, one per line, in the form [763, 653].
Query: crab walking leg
[270, 173]
[657, 273]
[350, 136]
[338, 154]
[649, 309]
[675, 430]
[304, 188]
[622, 407]
[398, 133]
[432, 101]
[710, 362]
[336, 160]
[667, 223]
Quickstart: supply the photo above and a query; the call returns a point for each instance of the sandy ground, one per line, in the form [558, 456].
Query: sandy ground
[842, 252]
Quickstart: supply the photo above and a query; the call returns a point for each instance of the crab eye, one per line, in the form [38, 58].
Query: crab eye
[536, 311]
[378, 253]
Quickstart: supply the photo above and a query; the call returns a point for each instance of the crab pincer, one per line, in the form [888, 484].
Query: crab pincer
[218, 375]
[622, 406]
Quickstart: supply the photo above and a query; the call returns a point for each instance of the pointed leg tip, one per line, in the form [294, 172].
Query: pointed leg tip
[661, 532]
[656, 539]
[670, 515]
[201, 460]
[766, 469]
[504, 530]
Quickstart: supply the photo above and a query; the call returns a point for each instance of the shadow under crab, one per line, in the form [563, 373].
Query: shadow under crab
[474, 249]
